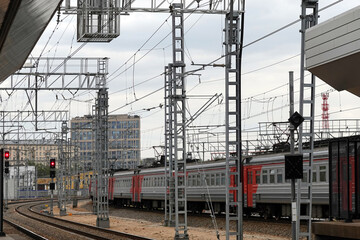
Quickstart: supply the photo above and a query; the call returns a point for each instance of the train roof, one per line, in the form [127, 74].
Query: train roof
[248, 160]
[279, 157]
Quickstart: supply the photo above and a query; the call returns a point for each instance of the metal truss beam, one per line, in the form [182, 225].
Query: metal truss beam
[60, 74]
[30, 136]
[30, 116]
[162, 6]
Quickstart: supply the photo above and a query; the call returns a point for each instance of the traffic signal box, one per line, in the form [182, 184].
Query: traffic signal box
[7, 164]
[52, 168]
[293, 166]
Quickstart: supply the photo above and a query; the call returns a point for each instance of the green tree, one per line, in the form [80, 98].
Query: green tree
[42, 170]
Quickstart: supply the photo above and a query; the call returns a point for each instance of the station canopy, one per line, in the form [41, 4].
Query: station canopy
[21, 24]
[332, 50]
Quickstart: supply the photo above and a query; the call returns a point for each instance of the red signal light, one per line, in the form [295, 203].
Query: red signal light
[6, 154]
[52, 163]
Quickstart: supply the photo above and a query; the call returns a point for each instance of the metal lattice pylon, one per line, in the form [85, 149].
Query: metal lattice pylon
[101, 168]
[234, 201]
[169, 150]
[75, 149]
[177, 98]
[61, 179]
[306, 136]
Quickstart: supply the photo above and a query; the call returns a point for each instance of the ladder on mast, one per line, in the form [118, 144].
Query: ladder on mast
[169, 150]
[178, 97]
[234, 201]
[307, 108]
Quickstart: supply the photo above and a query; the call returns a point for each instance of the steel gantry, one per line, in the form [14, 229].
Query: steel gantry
[175, 125]
[156, 6]
[86, 74]
[176, 206]
[306, 136]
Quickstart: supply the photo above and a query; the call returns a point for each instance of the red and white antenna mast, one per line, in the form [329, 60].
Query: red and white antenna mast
[325, 113]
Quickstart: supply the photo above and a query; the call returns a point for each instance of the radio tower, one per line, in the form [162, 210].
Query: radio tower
[325, 114]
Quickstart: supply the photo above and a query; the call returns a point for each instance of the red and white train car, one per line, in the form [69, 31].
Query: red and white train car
[265, 189]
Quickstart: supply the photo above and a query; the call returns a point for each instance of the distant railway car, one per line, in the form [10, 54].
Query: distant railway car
[266, 192]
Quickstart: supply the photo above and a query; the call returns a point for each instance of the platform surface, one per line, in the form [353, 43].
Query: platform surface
[337, 229]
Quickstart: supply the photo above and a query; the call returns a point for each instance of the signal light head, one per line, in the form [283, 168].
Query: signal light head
[52, 163]
[6, 154]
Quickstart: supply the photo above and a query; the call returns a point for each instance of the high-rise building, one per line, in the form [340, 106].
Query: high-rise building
[124, 139]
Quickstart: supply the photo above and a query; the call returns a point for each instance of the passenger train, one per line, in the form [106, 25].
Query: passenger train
[266, 191]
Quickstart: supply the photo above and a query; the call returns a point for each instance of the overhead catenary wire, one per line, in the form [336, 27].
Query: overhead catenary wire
[209, 64]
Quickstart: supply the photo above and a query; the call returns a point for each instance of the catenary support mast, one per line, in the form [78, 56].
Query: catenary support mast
[307, 106]
[101, 168]
[178, 97]
[169, 150]
[63, 155]
[233, 45]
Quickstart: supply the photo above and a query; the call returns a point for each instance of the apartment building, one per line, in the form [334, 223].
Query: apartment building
[124, 139]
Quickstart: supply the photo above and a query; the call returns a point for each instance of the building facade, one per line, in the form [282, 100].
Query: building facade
[124, 140]
[38, 151]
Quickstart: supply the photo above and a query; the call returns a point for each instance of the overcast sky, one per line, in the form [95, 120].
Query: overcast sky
[265, 67]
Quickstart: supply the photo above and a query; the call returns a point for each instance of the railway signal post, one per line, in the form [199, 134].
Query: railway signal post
[52, 184]
[2, 191]
[293, 162]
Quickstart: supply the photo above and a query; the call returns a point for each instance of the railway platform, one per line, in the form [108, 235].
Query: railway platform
[339, 230]
[12, 237]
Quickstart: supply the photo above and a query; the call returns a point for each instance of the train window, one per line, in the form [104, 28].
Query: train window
[257, 178]
[217, 179]
[223, 179]
[279, 176]
[314, 176]
[264, 176]
[207, 179]
[212, 180]
[304, 179]
[322, 170]
[249, 176]
[272, 176]
[190, 180]
[199, 180]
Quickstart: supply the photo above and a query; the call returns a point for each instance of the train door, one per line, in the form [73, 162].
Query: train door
[111, 188]
[253, 179]
[136, 188]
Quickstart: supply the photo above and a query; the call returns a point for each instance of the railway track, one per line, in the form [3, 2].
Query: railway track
[46, 227]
